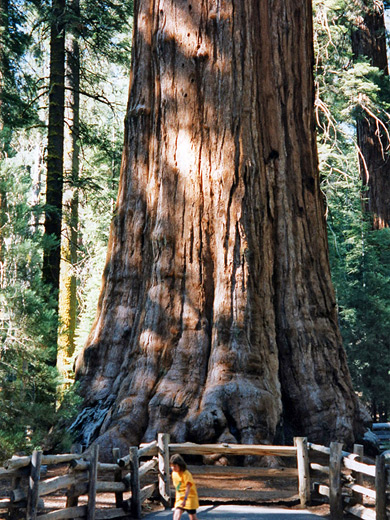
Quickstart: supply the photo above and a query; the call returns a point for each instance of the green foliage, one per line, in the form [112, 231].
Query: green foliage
[101, 138]
[103, 26]
[18, 87]
[360, 262]
[99, 185]
[27, 382]
[347, 86]
[347, 90]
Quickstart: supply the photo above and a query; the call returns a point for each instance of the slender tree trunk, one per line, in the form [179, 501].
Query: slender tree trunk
[55, 147]
[55, 157]
[217, 312]
[3, 64]
[3, 69]
[68, 296]
[369, 41]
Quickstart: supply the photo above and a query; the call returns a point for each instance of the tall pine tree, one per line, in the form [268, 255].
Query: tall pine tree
[369, 45]
[55, 160]
[349, 91]
[69, 244]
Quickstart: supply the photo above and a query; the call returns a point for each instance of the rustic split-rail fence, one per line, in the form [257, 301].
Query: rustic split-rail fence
[341, 477]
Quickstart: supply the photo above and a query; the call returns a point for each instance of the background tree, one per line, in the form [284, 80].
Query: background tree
[369, 46]
[217, 311]
[3, 67]
[95, 33]
[55, 159]
[27, 384]
[3, 59]
[69, 243]
[359, 255]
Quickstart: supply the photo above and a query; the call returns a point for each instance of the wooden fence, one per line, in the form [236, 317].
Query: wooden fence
[86, 476]
[351, 482]
[341, 479]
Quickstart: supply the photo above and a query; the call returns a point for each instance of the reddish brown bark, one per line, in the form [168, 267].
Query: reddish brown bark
[369, 42]
[217, 313]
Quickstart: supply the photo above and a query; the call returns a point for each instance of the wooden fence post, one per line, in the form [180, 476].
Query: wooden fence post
[93, 470]
[33, 486]
[380, 487]
[335, 498]
[359, 450]
[72, 500]
[135, 483]
[14, 507]
[303, 470]
[117, 478]
[163, 469]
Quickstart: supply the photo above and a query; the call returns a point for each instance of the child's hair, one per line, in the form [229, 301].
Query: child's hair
[178, 459]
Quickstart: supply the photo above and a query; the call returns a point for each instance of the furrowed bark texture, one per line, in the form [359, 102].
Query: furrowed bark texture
[217, 299]
[369, 41]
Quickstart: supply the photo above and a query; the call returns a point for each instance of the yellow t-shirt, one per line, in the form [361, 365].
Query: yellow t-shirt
[180, 481]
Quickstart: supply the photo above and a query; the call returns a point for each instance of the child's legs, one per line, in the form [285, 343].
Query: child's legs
[193, 517]
[177, 514]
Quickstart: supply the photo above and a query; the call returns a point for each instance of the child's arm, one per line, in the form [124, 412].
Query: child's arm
[188, 487]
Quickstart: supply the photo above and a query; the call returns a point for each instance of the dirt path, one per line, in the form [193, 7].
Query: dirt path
[240, 512]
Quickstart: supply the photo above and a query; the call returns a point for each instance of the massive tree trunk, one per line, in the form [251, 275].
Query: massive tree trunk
[369, 42]
[217, 315]
[67, 308]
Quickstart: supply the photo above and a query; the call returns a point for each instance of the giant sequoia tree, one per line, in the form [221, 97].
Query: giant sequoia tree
[217, 317]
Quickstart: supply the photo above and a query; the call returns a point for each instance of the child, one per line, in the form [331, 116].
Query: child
[186, 498]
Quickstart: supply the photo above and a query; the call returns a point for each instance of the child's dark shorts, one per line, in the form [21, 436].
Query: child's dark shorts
[189, 511]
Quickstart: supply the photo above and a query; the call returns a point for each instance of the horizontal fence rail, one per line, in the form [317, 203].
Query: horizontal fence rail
[351, 482]
[190, 448]
[347, 482]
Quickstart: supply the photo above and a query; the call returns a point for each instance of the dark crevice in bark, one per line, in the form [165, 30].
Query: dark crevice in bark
[183, 291]
[232, 426]
[236, 263]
